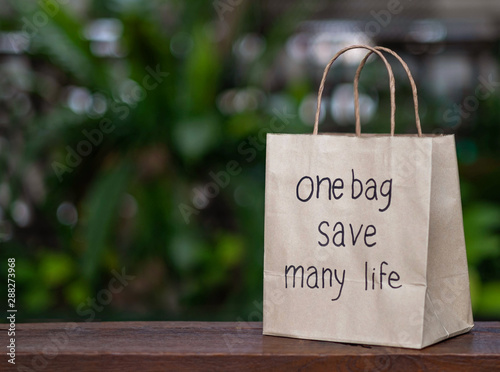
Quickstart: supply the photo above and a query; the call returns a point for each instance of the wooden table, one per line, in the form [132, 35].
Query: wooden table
[206, 346]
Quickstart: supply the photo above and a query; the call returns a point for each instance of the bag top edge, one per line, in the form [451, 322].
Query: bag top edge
[364, 135]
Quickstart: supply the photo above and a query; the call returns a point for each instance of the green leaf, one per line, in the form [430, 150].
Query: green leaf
[196, 137]
[185, 250]
[55, 268]
[490, 299]
[230, 249]
[76, 292]
[481, 222]
[102, 203]
[38, 298]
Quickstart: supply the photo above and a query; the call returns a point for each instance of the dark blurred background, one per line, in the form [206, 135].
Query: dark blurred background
[132, 139]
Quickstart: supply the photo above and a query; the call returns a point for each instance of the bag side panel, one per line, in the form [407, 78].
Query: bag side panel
[448, 307]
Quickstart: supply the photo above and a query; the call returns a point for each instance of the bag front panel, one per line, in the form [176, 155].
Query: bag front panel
[346, 237]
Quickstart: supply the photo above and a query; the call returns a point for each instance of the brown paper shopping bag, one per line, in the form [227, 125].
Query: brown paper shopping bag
[363, 236]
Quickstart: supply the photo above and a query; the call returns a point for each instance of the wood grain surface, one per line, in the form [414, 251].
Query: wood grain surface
[227, 346]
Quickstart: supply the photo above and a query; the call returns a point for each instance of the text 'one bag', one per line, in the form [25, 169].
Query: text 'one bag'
[364, 237]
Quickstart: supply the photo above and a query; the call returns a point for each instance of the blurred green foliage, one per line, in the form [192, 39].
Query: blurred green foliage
[134, 201]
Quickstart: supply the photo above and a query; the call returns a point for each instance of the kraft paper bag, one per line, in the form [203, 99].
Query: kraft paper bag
[364, 238]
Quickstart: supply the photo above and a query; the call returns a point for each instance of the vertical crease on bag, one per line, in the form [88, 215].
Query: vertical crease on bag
[435, 313]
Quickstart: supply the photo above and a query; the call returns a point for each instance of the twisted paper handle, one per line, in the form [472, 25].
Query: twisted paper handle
[392, 86]
[412, 83]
